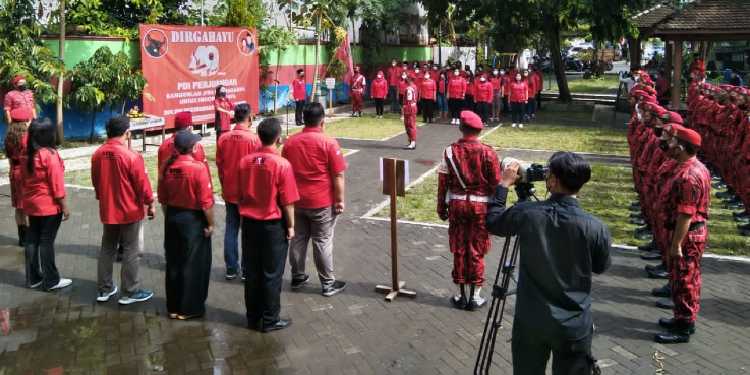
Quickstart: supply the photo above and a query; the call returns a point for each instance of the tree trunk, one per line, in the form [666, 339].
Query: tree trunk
[314, 96]
[552, 32]
[61, 77]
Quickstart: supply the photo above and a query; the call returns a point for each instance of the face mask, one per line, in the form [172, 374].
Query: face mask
[456, 74]
[22, 87]
[416, 70]
[380, 76]
[222, 93]
[663, 145]
[495, 72]
[403, 76]
[518, 78]
[426, 76]
[658, 132]
[393, 64]
[502, 72]
[482, 79]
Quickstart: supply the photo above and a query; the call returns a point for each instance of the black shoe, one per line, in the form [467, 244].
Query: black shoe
[458, 302]
[299, 282]
[744, 226]
[643, 233]
[637, 221]
[665, 303]
[231, 274]
[742, 216]
[719, 185]
[655, 267]
[635, 206]
[651, 246]
[658, 274]
[735, 205]
[724, 194]
[336, 288]
[651, 255]
[280, 324]
[22, 235]
[672, 338]
[636, 215]
[673, 325]
[663, 292]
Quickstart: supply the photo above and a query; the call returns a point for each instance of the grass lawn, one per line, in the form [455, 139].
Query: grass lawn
[550, 133]
[606, 196]
[366, 127]
[607, 84]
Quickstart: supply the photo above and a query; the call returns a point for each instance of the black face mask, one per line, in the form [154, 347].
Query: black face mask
[22, 87]
[663, 145]
[222, 94]
[658, 131]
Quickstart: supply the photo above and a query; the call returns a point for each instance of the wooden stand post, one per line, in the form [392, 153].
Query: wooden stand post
[394, 185]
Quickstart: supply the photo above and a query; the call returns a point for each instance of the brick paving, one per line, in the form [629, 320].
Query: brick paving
[355, 332]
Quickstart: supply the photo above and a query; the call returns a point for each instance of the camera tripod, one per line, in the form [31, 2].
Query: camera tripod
[500, 292]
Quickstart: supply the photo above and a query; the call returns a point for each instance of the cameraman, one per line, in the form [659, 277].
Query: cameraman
[560, 245]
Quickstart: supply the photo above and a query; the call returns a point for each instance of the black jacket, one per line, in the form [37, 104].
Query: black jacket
[560, 246]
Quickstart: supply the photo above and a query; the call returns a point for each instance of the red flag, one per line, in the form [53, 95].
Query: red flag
[344, 54]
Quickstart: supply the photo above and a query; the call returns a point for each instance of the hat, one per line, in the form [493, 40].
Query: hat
[185, 139]
[22, 114]
[658, 110]
[471, 120]
[183, 120]
[687, 135]
[17, 79]
[673, 117]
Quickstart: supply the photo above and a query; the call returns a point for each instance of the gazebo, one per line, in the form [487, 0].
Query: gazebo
[699, 23]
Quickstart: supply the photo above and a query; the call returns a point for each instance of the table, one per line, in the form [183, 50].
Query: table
[145, 124]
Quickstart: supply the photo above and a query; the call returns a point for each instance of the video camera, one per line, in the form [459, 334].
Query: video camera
[529, 172]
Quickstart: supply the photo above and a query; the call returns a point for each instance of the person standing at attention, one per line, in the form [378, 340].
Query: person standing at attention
[224, 111]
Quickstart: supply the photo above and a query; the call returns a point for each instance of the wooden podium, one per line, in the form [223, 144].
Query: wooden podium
[394, 173]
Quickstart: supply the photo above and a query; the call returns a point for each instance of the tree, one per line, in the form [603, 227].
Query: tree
[61, 76]
[245, 13]
[275, 39]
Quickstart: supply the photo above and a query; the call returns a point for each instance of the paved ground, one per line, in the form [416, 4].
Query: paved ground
[352, 333]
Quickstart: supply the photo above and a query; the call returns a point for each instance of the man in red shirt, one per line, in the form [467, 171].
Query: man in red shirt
[357, 85]
[378, 92]
[183, 121]
[394, 76]
[123, 191]
[232, 147]
[319, 172]
[267, 197]
[411, 98]
[299, 93]
[19, 97]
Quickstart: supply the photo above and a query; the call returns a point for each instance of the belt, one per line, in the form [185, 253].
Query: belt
[693, 226]
[466, 197]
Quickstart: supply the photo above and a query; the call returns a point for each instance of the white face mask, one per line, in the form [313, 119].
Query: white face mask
[393, 64]
[416, 70]
[426, 76]
[495, 72]
[482, 79]
[403, 76]
[380, 76]
[456, 74]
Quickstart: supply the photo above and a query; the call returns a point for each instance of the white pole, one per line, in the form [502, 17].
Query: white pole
[203, 5]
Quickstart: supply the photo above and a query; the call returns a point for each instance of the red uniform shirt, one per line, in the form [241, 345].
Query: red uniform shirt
[689, 193]
[497, 83]
[232, 147]
[531, 85]
[538, 81]
[402, 84]
[267, 183]
[44, 185]
[394, 75]
[441, 86]
[411, 97]
[379, 88]
[121, 184]
[15, 99]
[222, 118]
[315, 159]
[519, 92]
[506, 85]
[167, 150]
[456, 87]
[478, 166]
[186, 183]
[471, 88]
[428, 90]
[358, 83]
[299, 92]
[483, 92]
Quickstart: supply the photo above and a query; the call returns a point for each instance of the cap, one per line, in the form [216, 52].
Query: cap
[22, 114]
[185, 139]
[183, 120]
[687, 135]
[16, 79]
[471, 120]
[672, 117]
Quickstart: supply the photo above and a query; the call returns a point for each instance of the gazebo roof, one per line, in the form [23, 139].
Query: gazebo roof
[707, 20]
[652, 16]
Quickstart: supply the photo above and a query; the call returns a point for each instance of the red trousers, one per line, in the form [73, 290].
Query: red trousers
[469, 241]
[685, 280]
[410, 123]
[357, 101]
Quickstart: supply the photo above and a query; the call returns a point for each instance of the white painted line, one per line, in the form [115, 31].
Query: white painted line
[730, 258]
[431, 225]
[80, 187]
[350, 153]
[403, 132]
[551, 151]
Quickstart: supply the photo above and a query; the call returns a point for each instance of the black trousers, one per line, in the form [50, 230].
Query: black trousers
[483, 110]
[531, 352]
[506, 106]
[519, 110]
[188, 254]
[40, 250]
[469, 103]
[379, 106]
[299, 105]
[455, 106]
[264, 250]
[428, 109]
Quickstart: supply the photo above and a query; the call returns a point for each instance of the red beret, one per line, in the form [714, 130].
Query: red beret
[471, 120]
[658, 110]
[673, 117]
[22, 114]
[687, 135]
[183, 120]
[650, 99]
[17, 78]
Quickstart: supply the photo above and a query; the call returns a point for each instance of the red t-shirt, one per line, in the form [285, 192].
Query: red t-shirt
[379, 88]
[519, 92]
[121, 184]
[428, 90]
[483, 92]
[316, 159]
[232, 147]
[298, 89]
[44, 185]
[266, 183]
[15, 99]
[186, 183]
[456, 88]
[167, 150]
[222, 118]
[394, 75]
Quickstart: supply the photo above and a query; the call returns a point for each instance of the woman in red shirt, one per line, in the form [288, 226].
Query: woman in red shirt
[378, 92]
[44, 203]
[186, 195]
[456, 93]
[224, 111]
[16, 140]
[428, 94]
[519, 97]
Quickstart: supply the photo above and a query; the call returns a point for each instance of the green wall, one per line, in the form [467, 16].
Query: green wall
[77, 50]
[385, 54]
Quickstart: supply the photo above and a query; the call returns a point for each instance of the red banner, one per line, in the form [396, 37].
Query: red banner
[183, 65]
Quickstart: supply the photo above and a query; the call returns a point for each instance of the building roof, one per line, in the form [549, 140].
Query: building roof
[709, 18]
[652, 16]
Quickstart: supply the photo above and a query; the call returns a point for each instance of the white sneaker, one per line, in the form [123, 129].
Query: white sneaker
[520, 126]
[500, 125]
[62, 284]
[513, 126]
[479, 301]
[104, 296]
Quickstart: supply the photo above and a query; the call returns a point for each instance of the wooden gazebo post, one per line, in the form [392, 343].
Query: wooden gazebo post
[677, 80]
